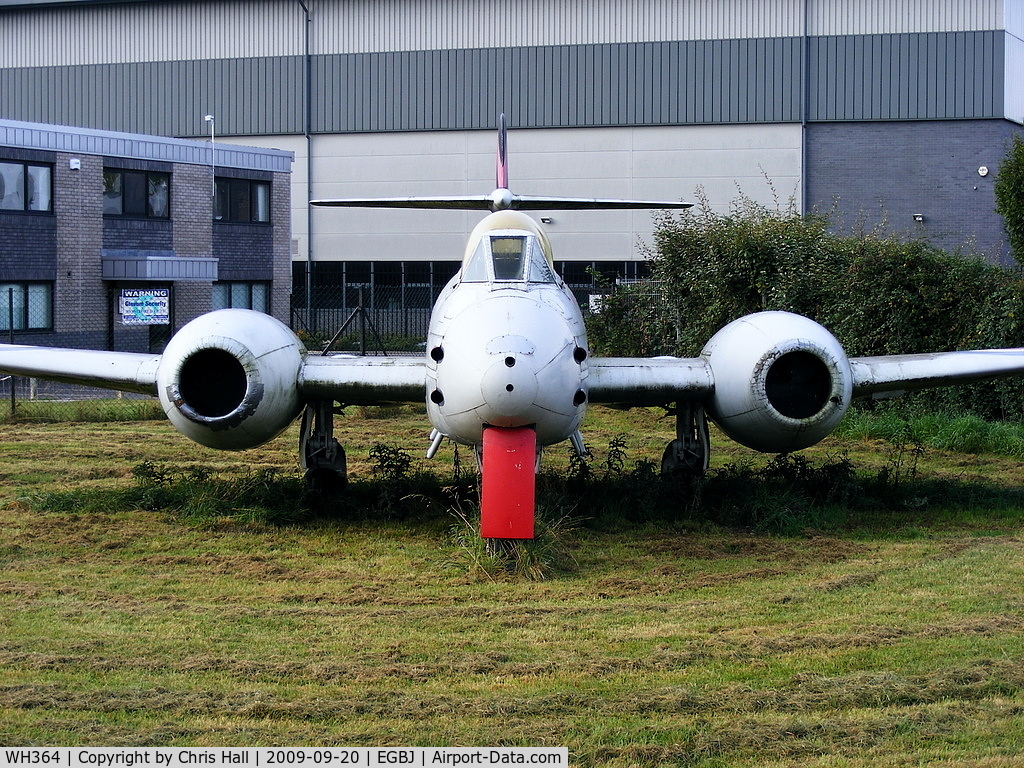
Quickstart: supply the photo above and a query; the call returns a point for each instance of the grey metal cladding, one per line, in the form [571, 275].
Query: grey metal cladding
[170, 98]
[657, 83]
[930, 75]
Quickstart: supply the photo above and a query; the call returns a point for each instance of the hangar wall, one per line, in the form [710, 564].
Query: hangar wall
[767, 81]
[669, 162]
[75, 33]
[893, 76]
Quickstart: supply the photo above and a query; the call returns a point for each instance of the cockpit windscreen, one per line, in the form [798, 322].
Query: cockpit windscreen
[508, 258]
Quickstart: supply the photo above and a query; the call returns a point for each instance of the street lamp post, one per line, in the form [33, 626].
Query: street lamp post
[213, 158]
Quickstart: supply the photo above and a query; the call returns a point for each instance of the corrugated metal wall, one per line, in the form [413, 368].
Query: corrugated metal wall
[138, 32]
[867, 17]
[85, 33]
[248, 96]
[592, 85]
[667, 63]
[856, 77]
[937, 75]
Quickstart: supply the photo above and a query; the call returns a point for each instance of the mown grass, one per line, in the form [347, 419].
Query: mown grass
[883, 628]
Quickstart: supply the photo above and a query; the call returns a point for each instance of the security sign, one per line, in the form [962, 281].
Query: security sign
[145, 306]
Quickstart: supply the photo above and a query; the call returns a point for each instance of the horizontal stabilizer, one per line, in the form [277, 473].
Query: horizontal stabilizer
[502, 200]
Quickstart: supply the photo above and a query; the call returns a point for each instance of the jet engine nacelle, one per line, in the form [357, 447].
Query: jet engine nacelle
[229, 379]
[782, 381]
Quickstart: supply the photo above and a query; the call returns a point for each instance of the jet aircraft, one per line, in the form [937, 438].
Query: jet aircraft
[507, 368]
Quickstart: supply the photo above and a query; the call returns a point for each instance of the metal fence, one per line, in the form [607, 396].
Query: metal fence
[365, 319]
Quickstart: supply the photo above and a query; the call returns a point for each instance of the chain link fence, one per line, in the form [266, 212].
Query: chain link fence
[365, 319]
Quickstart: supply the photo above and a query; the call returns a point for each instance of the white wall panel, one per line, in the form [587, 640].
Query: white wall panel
[660, 163]
[135, 32]
[404, 25]
[1013, 98]
[867, 17]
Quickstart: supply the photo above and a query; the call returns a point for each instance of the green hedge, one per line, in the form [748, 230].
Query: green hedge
[877, 294]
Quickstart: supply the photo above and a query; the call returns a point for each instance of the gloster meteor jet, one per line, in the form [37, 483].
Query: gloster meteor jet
[507, 369]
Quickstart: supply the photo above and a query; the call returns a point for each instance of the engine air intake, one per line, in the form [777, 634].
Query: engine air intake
[212, 382]
[798, 384]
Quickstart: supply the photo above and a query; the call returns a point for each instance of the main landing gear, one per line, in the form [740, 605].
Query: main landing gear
[321, 455]
[690, 452]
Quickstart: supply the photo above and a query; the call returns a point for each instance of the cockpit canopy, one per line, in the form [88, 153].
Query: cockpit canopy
[505, 256]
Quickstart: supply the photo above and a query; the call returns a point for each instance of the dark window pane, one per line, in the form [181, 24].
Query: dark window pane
[135, 194]
[112, 198]
[239, 200]
[158, 189]
[222, 200]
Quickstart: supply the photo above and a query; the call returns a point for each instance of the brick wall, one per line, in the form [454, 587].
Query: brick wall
[80, 314]
[280, 211]
[67, 247]
[192, 220]
[881, 174]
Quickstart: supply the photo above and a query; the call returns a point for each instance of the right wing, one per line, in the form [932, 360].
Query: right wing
[125, 371]
[363, 380]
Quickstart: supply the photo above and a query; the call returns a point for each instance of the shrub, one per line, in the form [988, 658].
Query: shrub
[877, 294]
[1009, 192]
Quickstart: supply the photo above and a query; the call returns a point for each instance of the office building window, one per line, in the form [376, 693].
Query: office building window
[137, 194]
[241, 295]
[26, 187]
[28, 305]
[241, 200]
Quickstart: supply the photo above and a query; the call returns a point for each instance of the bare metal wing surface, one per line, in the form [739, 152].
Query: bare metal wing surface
[648, 381]
[896, 373]
[347, 379]
[363, 380]
[124, 371]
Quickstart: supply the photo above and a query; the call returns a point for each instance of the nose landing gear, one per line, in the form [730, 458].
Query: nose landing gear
[508, 483]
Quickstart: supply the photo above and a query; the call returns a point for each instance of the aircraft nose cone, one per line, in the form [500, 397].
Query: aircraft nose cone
[509, 387]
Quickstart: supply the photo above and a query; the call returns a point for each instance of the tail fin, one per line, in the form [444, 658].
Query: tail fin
[501, 169]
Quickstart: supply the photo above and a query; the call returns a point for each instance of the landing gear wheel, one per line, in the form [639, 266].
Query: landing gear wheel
[690, 452]
[321, 455]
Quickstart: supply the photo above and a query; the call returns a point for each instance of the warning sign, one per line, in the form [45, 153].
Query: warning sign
[145, 306]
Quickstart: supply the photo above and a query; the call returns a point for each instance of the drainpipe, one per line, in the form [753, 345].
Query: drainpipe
[308, 132]
[805, 52]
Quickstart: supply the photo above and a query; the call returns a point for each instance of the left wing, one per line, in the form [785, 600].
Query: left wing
[648, 381]
[779, 382]
[897, 373]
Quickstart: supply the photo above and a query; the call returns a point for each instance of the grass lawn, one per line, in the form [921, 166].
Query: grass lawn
[883, 626]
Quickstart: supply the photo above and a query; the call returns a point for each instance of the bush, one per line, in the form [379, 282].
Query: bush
[1009, 192]
[877, 294]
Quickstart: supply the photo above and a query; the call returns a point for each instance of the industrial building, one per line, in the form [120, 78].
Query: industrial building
[891, 113]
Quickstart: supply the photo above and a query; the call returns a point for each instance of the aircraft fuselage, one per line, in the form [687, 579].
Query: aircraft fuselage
[506, 345]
